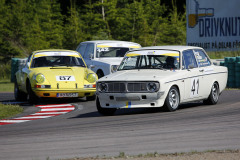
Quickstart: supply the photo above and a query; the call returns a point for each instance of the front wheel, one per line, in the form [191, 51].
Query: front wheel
[105, 111]
[32, 98]
[214, 95]
[172, 100]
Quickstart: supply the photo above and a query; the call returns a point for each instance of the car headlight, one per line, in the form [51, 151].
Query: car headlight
[114, 68]
[152, 86]
[40, 78]
[91, 78]
[102, 87]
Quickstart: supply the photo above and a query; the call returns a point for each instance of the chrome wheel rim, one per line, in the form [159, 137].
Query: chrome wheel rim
[173, 99]
[215, 94]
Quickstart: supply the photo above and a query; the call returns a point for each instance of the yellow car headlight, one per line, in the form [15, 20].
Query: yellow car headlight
[91, 78]
[40, 78]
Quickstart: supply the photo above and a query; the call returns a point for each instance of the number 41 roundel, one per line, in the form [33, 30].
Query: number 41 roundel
[194, 87]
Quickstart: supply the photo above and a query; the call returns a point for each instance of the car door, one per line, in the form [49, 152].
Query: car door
[193, 79]
[206, 70]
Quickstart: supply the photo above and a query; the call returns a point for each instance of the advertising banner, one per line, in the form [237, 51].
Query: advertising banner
[213, 24]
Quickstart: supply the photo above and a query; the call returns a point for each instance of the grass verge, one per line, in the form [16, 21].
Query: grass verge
[7, 111]
[6, 86]
[194, 155]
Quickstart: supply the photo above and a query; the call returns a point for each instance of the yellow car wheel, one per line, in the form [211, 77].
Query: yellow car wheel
[32, 98]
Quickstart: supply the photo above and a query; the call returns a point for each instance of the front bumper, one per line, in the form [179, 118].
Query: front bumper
[131, 100]
[53, 93]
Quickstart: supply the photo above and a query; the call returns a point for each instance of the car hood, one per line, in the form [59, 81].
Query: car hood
[111, 61]
[51, 74]
[141, 75]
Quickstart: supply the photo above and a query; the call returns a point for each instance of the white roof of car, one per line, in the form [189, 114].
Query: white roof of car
[176, 48]
[108, 41]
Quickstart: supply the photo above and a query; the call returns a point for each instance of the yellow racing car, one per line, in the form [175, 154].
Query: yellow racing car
[54, 74]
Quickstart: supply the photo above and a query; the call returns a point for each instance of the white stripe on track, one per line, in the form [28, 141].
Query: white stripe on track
[49, 113]
[59, 105]
[14, 121]
[32, 117]
[58, 109]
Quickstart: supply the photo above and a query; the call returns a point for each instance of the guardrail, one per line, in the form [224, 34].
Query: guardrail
[233, 65]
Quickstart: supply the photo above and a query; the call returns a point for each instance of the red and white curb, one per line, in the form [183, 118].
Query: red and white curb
[46, 111]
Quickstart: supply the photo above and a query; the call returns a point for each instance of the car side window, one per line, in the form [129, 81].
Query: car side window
[189, 60]
[81, 48]
[28, 60]
[202, 58]
[89, 51]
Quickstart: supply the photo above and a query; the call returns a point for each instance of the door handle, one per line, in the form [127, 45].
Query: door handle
[201, 70]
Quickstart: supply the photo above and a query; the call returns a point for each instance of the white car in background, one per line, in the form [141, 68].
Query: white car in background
[163, 76]
[104, 56]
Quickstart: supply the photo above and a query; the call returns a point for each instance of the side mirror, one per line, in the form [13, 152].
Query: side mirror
[91, 66]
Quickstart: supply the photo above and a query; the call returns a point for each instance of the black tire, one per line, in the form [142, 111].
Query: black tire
[19, 95]
[91, 98]
[32, 98]
[105, 111]
[173, 99]
[214, 95]
[100, 74]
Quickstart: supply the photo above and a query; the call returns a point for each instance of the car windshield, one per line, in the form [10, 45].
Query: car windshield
[111, 52]
[54, 61]
[149, 62]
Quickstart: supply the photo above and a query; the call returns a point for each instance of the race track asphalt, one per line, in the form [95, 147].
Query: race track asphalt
[83, 132]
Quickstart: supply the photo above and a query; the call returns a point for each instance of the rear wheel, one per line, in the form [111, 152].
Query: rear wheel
[214, 95]
[19, 95]
[105, 111]
[172, 100]
[32, 98]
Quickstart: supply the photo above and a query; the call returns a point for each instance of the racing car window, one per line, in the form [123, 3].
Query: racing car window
[202, 59]
[189, 59]
[28, 60]
[88, 54]
[129, 63]
[111, 52]
[82, 48]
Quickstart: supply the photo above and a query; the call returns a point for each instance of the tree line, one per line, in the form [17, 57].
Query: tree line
[28, 25]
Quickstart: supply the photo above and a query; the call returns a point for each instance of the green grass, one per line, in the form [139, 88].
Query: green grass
[221, 55]
[6, 86]
[7, 111]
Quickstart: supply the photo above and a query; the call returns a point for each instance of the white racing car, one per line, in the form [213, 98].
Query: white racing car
[104, 56]
[163, 76]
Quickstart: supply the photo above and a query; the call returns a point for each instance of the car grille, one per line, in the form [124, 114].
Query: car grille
[116, 87]
[127, 87]
[137, 87]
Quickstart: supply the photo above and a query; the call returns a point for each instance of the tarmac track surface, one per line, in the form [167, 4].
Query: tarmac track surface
[83, 132]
